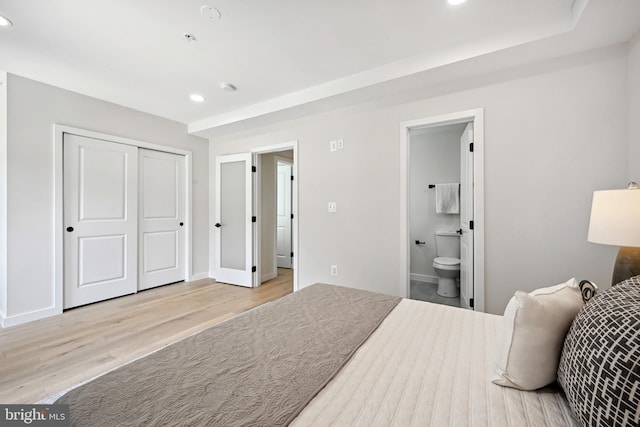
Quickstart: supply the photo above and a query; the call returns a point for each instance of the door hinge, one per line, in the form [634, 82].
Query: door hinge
[291, 177]
[254, 269]
[253, 169]
[291, 254]
[291, 216]
[471, 302]
[471, 225]
[471, 147]
[254, 219]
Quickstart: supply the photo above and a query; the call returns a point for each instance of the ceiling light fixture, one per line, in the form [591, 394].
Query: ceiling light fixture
[5, 22]
[456, 2]
[196, 97]
[228, 87]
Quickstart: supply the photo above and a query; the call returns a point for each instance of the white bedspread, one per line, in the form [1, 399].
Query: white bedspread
[430, 365]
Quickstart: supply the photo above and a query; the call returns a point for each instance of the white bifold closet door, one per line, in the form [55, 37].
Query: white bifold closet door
[124, 213]
[100, 220]
[161, 210]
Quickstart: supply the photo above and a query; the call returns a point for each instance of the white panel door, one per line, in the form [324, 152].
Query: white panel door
[235, 229]
[162, 216]
[283, 213]
[466, 217]
[100, 220]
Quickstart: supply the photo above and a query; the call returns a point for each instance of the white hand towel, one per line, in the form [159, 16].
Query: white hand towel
[448, 198]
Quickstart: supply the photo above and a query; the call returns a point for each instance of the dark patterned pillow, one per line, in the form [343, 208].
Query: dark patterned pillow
[600, 364]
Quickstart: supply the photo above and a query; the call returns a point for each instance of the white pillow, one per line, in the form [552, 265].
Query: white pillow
[534, 327]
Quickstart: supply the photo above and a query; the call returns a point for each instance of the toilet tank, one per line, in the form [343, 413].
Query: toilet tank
[448, 244]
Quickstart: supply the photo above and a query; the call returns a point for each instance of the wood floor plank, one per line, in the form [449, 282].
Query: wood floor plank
[50, 355]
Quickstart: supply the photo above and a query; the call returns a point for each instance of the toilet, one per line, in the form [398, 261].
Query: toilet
[447, 262]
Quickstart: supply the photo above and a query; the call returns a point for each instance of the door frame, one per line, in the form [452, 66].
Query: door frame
[58, 190]
[477, 117]
[257, 200]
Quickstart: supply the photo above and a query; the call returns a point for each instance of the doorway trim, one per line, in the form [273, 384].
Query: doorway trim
[285, 146]
[58, 186]
[477, 117]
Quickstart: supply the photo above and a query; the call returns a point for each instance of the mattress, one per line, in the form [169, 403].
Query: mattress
[430, 365]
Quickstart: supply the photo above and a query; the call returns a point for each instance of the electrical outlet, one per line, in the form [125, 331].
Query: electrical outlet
[332, 207]
[333, 145]
[334, 270]
[340, 144]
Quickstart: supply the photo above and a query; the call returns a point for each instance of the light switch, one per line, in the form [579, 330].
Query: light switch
[332, 207]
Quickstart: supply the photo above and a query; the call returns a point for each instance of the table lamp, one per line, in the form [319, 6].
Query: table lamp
[615, 220]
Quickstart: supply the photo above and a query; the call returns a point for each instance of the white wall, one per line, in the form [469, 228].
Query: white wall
[554, 132]
[434, 158]
[633, 76]
[268, 190]
[33, 108]
[3, 194]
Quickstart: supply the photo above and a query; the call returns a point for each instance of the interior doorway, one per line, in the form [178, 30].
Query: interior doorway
[442, 205]
[247, 204]
[275, 213]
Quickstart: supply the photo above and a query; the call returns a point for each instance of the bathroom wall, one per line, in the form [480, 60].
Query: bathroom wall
[434, 159]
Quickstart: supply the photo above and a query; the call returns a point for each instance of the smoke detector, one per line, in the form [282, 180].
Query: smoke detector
[210, 12]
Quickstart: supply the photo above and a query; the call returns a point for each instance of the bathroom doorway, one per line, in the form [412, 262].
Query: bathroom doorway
[442, 209]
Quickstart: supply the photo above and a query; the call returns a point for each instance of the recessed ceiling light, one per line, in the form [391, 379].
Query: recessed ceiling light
[456, 2]
[228, 87]
[196, 97]
[5, 22]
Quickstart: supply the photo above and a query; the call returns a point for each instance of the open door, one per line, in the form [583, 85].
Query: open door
[283, 213]
[466, 217]
[235, 228]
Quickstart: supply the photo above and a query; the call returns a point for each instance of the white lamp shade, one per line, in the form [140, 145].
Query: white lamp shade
[615, 218]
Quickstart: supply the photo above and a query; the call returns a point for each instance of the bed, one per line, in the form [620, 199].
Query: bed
[323, 356]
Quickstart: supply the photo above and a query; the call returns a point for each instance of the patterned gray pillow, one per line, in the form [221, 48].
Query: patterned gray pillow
[600, 364]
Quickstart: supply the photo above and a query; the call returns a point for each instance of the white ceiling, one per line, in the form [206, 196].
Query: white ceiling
[279, 53]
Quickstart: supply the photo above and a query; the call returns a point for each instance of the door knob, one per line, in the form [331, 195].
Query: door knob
[181, 224]
[69, 229]
[218, 225]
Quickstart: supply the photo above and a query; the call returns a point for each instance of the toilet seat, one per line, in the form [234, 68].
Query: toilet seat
[447, 260]
[447, 263]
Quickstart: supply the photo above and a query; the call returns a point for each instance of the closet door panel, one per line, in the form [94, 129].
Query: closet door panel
[162, 201]
[100, 220]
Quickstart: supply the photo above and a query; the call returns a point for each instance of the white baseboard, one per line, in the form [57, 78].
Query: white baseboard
[199, 276]
[423, 278]
[268, 276]
[19, 319]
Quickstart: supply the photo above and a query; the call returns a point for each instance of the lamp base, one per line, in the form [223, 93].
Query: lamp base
[627, 264]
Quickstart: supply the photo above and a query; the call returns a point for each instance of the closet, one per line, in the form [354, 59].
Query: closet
[124, 212]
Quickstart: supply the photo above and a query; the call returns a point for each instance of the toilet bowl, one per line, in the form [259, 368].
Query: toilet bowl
[448, 270]
[447, 263]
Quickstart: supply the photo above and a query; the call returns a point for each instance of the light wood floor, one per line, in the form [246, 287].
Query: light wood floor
[42, 358]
